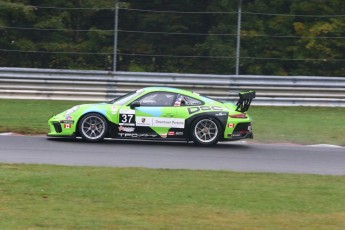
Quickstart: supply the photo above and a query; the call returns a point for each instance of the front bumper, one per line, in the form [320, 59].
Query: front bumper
[60, 127]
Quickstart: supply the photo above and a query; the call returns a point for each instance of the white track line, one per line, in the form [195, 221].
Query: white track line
[327, 145]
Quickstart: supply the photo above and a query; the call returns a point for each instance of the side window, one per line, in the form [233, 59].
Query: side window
[158, 99]
[182, 100]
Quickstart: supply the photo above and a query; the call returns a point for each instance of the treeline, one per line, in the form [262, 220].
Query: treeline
[281, 37]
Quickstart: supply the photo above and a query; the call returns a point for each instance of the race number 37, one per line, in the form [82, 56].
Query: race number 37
[127, 119]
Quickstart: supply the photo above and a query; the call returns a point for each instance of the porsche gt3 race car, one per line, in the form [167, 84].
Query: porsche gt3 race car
[158, 113]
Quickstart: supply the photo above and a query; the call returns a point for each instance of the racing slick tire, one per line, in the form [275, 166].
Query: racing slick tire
[93, 127]
[206, 132]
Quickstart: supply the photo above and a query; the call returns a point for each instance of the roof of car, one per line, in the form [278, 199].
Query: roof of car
[168, 89]
[178, 90]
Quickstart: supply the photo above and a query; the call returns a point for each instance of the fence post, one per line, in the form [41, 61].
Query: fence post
[116, 23]
[238, 46]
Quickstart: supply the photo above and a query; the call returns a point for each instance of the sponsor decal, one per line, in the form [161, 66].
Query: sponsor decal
[192, 110]
[168, 122]
[127, 111]
[68, 118]
[171, 133]
[144, 121]
[160, 122]
[114, 109]
[138, 135]
[179, 133]
[67, 126]
[67, 122]
[236, 134]
[231, 125]
[126, 129]
[164, 135]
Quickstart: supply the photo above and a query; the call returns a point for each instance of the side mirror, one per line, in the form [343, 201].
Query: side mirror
[135, 104]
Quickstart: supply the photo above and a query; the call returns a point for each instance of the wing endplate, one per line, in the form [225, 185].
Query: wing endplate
[245, 100]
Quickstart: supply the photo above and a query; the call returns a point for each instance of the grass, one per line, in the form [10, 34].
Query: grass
[30, 116]
[59, 197]
[304, 125]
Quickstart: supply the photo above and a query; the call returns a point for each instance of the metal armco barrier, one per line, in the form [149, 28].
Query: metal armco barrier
[25, 83]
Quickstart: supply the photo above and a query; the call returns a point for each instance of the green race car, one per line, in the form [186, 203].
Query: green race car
[158, 113]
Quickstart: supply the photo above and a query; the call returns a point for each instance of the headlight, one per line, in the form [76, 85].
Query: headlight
[71, 110]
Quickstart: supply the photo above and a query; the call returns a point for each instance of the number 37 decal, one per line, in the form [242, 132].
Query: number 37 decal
[127, 118]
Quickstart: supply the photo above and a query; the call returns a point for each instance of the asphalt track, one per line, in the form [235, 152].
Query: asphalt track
[240, 156]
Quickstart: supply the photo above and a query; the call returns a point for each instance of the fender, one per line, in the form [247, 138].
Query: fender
[221, 117]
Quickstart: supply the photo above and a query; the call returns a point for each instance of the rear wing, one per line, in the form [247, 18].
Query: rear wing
[243, 103]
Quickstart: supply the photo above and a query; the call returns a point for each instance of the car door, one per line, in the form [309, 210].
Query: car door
[154, 117]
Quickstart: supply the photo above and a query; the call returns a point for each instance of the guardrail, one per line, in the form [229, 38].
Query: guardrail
[27, 83]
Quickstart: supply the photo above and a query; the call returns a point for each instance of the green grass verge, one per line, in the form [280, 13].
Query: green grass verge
[59, 197]
[305, 125]
[30, 116]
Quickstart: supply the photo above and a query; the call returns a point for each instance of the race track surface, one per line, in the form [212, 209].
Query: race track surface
[242, 157]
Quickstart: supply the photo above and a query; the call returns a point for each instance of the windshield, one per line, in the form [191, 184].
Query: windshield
[125, 98]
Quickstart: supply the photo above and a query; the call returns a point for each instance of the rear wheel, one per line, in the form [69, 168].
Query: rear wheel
[205, 132]
[93, 127]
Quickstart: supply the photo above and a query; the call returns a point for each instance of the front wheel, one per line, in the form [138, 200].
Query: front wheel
[205, 132]
[93, 127]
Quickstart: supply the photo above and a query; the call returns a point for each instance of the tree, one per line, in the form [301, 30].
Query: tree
[294, 45]
[58, 34]
[297, 37]
[169, 43]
